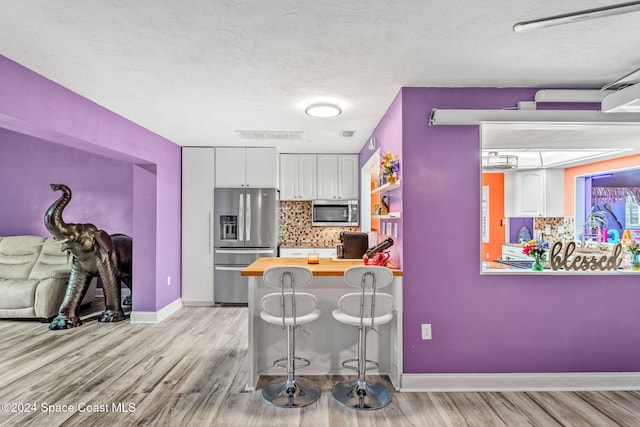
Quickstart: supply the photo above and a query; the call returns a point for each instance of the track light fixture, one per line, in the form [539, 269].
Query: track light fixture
[583, 15]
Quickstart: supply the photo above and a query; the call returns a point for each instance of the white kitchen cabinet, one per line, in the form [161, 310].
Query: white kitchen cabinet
[298, 176]
[238, 167]
[198, 179]
[513, 252]
[261, 165]
[327, 252]
[348, 167]
[338, 176]
[535, 192]
[230, 167]
[304, 252]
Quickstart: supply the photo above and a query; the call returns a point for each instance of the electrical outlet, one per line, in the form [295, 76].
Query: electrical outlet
[168, 280]
[426, 331]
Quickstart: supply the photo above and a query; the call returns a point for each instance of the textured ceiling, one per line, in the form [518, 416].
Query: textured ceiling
[196, 71]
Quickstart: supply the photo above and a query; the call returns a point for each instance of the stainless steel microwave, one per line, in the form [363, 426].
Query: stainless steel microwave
[334, 213]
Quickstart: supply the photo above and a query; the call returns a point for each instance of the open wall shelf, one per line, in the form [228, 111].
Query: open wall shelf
[390, 215]
[386, 187]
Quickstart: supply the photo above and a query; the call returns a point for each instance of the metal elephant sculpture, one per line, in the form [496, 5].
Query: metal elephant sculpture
[95, 254]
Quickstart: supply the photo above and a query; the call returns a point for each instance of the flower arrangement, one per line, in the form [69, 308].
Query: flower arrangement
[536, 250]
[389, 166]
[633, 247]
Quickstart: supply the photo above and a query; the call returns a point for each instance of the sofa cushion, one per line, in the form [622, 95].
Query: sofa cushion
[18, 254]
[17, 293]
[50, 260]
[18, 313]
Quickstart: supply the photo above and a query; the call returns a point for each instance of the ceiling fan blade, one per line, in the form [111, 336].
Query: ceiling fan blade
[583, 15]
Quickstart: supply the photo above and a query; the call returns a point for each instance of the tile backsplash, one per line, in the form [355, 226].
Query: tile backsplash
[296, 229]
[555, 225]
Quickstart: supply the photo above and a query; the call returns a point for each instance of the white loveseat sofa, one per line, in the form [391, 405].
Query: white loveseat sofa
[33, 278]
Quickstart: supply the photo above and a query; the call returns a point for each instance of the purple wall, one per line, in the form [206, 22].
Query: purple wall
[489, 323]
[33, 105]
[102, 187]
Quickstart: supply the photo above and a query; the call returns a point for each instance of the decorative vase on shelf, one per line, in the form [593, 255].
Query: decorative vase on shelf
[635, 262]
[537, 265]
[391, 179]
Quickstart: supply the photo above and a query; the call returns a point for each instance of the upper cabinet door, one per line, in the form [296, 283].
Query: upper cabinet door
[289, 177]
[298, 175]
[530, 193]
[307, 176]
[261, 167]
[535, 192]
[230, 167]
[239, 167]
[348, 177]
[327, 176]
[338, 176]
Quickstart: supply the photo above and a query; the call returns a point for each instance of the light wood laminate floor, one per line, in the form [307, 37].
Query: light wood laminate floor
[189, 370]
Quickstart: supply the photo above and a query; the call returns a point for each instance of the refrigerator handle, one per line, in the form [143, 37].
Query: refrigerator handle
[241, 218]
[248, 216]
[210, 221]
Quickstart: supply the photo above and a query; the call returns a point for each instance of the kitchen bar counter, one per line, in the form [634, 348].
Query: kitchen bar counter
[328, 341]
[326, 266]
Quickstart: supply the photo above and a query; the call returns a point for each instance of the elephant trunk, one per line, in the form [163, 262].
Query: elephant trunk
[53, 217]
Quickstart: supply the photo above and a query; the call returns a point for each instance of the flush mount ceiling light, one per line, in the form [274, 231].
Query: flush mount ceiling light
[323, 110]
[493, 161]
[583, 15]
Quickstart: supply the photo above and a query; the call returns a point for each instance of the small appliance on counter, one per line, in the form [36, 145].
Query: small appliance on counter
[354, 245]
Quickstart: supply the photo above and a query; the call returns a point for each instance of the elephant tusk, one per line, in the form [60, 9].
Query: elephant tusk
[55, 242]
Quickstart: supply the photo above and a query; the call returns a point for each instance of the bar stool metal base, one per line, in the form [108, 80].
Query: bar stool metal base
[361, 396]
[291, 393]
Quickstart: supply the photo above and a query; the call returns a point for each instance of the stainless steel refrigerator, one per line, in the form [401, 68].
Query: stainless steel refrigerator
[246, 222]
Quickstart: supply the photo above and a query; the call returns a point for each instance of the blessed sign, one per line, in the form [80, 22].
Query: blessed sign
[560, 259]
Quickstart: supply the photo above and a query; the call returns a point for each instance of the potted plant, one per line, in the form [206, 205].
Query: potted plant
[389, 166]
[633, 247]
[538, 251]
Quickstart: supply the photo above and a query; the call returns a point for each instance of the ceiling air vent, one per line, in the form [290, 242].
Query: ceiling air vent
[347, 133]
[494, 161]
[270, 135]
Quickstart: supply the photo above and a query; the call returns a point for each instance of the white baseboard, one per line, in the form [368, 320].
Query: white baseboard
[521, 382]
[198, 303]
[156, 316]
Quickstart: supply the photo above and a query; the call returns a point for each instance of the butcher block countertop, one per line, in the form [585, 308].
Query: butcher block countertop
[326, 267]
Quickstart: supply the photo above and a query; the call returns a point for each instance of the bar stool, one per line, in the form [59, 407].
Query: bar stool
[290, 310]
[364, 309]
